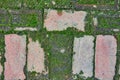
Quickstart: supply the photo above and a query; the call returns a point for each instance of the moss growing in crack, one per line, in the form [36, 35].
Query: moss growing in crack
[117, 67]
[33, 4]
[58, 3]
[25, 20]
[81, 77]
[2, 51]
[89, 27]
[7, 4]
[105, 2]
[37, 76]
[108, 22]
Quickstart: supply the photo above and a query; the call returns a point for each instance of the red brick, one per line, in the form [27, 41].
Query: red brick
[15, 57]
[105, 57]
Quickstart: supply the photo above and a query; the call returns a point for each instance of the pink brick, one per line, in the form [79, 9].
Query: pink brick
[105, 57]
[59, 21]
[15, 57]
[35, 57]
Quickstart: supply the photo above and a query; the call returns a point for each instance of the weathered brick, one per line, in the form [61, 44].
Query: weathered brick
[15, 57]
[59, 21]
[105, 57]
[83, 57]
[35, 57]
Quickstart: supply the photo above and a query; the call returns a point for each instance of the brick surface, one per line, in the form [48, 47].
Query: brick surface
[83, 58]
[105, 57]
[59, 21]
[15, 57]
[35, 57]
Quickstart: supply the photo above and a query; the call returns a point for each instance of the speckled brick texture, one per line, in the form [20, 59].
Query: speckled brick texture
[15, 54]
[61, 20]
[83, 57]
[36, 57]
[105, 57]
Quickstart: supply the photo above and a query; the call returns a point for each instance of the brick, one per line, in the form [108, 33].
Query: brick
[59, 21]
[15, 54]
[83, 57]
[105, 57]
[35, 57]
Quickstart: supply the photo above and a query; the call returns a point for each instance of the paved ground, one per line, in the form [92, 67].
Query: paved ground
[60, 40]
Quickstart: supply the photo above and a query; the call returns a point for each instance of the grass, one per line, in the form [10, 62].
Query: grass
[36, 76]
[116, 77]
[25, 20]
[103, 2]
[58, 3]
[60, 63]
[2, 51]
[33, 4]
[7, 4]
[55, 60]
[108, 22]
[4, 20]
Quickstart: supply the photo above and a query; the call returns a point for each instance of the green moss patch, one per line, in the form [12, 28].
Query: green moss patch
[60, 59]
[16, 4]
[58, 3]
[102, 2]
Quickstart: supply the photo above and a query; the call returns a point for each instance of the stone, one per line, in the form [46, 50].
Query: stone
[116, 30]
[35, 57]
[62, 50]
[59, 21]
[95, 21]
[83, 57]
[25, 28]
[15, 54]
[105, 57]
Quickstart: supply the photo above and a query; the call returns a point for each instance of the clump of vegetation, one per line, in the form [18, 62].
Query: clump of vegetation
[103, 2]
[37, 76]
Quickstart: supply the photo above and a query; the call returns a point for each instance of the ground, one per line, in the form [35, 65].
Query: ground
[29, 18]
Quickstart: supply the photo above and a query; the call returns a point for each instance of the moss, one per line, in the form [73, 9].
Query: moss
[96, 2]
[117, 75]
[33, 4]
[2, 51]
[57, 60]
[7, 4]
[37, 76]
[4, 20]
[58, 3]
[60, 65]
[109, 22]
[25, 20]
